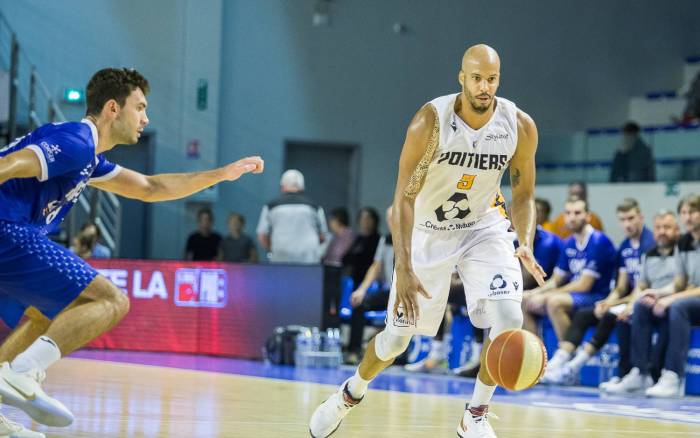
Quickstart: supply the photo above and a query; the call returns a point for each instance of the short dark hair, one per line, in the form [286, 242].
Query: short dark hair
[631, 128]
[628, 204]
[572, 199]
[693, 202]
[372, 212]
[547, 206]
[238, 215]
[341, 215]
[113, 83]
[205, 210]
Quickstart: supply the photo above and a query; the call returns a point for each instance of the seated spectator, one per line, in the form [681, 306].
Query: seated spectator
[342, 239]
[544, 209]
[203, 244]
[237, 246]
[582, 275]
[86, 243]
[547, 250]
[680, 303]
[657, 272]
[292, 227]
[563, 368]
[576, 189]
[360, 257]
[634, 160]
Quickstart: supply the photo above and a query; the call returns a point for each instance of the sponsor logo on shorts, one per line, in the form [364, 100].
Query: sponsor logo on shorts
[498, 286]
[450, 227]
[516, 285]
[498, 282]
[401, 320]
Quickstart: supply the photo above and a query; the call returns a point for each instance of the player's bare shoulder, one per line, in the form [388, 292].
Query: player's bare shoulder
[527, 132]
[424, 122]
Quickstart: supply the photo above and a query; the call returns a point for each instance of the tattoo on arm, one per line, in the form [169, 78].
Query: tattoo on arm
[515, 177]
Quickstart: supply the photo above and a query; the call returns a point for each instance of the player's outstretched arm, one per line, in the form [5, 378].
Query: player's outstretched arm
[21, 164]
[413, 164]
[522, 180]
[169, 186]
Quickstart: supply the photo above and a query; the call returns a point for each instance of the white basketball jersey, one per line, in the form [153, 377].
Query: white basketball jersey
[462, 184]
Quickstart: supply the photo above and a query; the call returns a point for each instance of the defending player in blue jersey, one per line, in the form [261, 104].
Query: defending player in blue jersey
[41, 176]
[582, 275]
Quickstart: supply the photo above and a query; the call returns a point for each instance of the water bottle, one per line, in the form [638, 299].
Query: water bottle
[303, 347]
[606, 370]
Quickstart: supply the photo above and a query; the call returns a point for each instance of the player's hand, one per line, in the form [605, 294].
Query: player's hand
[661, 305]
[649, 298]
[600, 308]
[245, 165]
[408, 286]
[357, 297]
[626, 312]
[526, 257]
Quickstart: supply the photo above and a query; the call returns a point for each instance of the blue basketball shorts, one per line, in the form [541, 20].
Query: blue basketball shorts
[34, 271]
[584, 299]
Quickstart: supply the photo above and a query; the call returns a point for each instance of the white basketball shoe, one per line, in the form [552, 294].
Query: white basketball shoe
[10, 429]
[23, 391]
[475, 423]
[327, 417]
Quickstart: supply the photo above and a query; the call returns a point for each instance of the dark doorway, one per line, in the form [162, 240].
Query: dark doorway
[331, 172]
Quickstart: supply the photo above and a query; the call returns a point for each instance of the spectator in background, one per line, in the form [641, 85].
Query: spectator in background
[657, 272]
[203, 244]
[576, 189]
[564, 367]
[86, 243]
[343, 238]
[544, 209]
[292, 227]
[237, 246]
[682, 307]
[358, 260]
[634, 161]
[381, 270]
[582, 275]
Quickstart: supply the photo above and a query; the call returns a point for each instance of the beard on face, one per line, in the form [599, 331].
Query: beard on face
[477, 106]
[576, 227]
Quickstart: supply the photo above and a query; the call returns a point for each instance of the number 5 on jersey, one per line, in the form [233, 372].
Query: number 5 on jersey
[466, 182]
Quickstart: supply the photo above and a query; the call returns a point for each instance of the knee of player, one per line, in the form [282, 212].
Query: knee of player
[120, 302]
[388, 346]
[554, 304]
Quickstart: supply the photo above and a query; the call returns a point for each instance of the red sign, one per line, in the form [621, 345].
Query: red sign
[208, 308]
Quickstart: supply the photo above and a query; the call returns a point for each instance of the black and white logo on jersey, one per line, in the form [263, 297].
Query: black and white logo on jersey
[456, 207]
[498, 282]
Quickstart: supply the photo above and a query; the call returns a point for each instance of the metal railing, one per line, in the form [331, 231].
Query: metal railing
[104, 209]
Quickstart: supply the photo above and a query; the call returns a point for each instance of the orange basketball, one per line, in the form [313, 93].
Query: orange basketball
[516, 359]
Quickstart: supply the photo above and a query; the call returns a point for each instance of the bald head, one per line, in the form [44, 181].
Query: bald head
[481, 55]
[479, 77]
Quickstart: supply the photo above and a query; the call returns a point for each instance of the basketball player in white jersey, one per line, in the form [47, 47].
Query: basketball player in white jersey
[448, 213]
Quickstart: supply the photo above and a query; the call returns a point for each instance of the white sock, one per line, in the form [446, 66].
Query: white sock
[41, 354]
[357, 386]
[579, 360]
[560, 358]
[482, 394]
[437, 350]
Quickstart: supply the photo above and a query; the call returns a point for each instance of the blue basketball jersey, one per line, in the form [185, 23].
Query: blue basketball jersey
[66, 152]
[629, 257]
[548, 247]
[596, 257]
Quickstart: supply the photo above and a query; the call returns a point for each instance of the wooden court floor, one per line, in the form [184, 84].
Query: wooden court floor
[122, 400]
